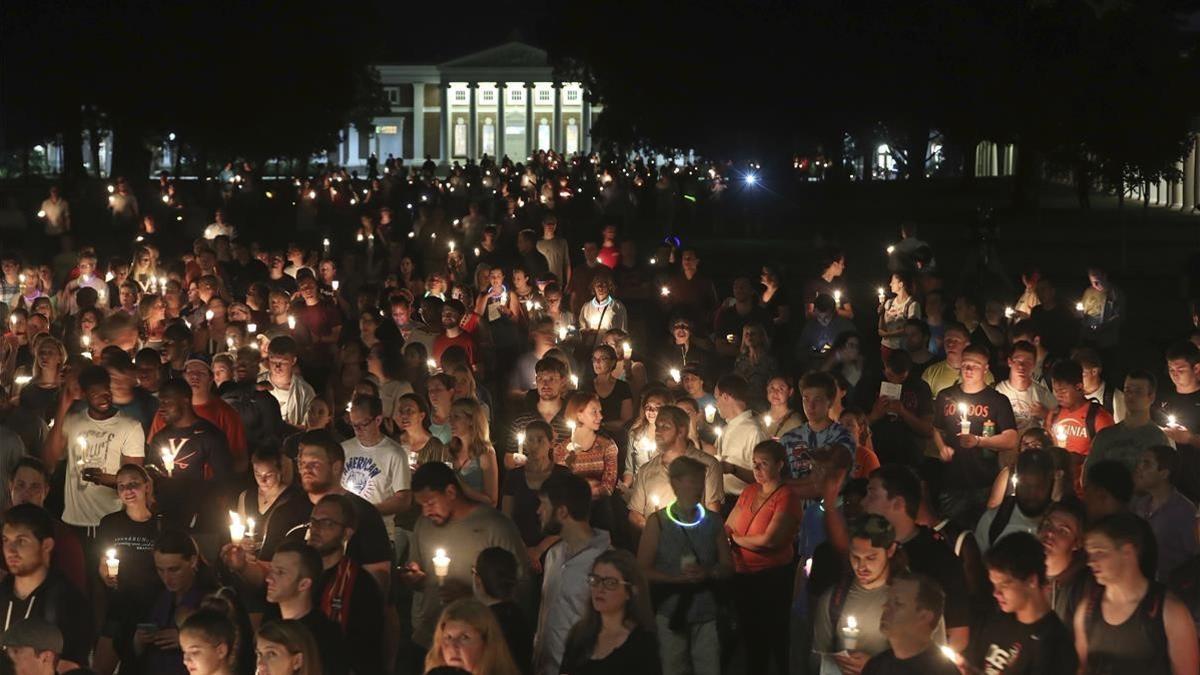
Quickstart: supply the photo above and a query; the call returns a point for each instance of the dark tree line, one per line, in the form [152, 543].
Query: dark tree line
[1105, 88]
[255, 79]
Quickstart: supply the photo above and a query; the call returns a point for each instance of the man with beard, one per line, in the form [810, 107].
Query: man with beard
[320, 463]
[294, 572]
[200, 453]
[343, 593]
[452, 334]
[564, 508]
[258, 409]
[460, 529]
[1024, 511]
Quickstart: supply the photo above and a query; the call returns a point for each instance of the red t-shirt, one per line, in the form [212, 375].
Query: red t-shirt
[441, 343]
[610, 256]
[751, 522]
[224, 417]
[1074, 424]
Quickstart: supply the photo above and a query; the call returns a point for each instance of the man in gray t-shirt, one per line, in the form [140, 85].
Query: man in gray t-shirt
[460, 529]
[555, 250]
[1125, 440]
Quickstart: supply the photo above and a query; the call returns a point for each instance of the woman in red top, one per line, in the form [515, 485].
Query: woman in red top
[588, 454]
[762, 529]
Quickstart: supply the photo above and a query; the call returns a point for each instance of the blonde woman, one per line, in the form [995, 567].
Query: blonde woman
[755, 363]
[286, 648]
[471, 453]
[40, 394]
[642, 446]
[468, 636]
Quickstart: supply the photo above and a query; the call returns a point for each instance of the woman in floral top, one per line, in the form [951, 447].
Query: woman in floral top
[588, 454]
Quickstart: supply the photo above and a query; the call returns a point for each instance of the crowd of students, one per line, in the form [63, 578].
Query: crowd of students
[485, 434]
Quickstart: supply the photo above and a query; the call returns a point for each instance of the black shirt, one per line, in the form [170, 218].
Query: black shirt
[525, 502]
[929, 662]
[58, 603]
[1186, 409]
[1005, 646]
[517, 634]
[638, 655]
[201, 455]
[895, 441]
[370, 543]
[971, 467]
[331, 645]
[929, 555]
[362, 604]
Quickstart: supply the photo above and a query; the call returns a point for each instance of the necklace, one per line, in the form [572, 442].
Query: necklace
[699, 516]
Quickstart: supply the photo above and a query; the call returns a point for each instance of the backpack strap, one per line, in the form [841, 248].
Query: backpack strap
[837, 601]
[1110, 394]
[1003, 515]
[1093, 410]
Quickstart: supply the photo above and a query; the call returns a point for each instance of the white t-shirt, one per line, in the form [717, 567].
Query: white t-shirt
[377, 472]
[104, 443]
[1023, 402]
[56, 216]
[215, 230]
[294, 401]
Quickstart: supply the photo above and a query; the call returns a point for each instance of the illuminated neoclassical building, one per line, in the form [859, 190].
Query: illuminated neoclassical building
[502, 100]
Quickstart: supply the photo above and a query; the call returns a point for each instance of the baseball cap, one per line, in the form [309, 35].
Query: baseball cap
[35, 633]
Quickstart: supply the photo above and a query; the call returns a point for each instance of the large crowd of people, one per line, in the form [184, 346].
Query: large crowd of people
[447, 424]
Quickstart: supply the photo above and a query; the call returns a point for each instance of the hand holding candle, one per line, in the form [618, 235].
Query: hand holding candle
[168, 459]
[710, 413]
[964, 425]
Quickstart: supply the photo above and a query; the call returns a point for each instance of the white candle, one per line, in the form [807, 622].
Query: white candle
[432, 365]
[767, 421]
[1060, 434]
[676, 375]
[335, 284]
[964, 425]
[891, 250]
[250, 527]
[574, 381]
[850, 633]
[111, 562]
[562, 333]
[710, 413]
[168, 459]
[1079, 307]
[1008, 312]
[441, 565]
[718, 431]
[237, 529]
[950, 654]
[1172, 422]
[208, 315]
[627, 349]
[880, 292]
[451, 245]
[664, 291]
[229, 342]
[252, 327]
[837, 298]
[291, 322]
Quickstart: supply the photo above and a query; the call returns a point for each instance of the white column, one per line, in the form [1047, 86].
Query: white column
[1189, 177]
[351, 146]
[446, 124]
[556, 132]
[1177, 188]
[418, 121]
[529, 126]
[472, 124]
[500, 94]
[586, 131]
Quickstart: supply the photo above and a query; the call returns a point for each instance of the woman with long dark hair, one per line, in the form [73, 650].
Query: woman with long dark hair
[616, 634]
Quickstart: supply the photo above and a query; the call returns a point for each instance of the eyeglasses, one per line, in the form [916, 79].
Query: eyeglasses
[607, 583]
[325, 523]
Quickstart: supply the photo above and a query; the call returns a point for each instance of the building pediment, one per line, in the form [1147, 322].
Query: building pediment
[508, 55]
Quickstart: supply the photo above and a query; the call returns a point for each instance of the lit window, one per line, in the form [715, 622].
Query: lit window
[543, 95]
[573, 95]
[489, 95]
[460, 95]
[393, 95]
[516, 95]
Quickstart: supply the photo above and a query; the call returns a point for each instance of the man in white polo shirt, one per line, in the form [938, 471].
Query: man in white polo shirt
[735, 446]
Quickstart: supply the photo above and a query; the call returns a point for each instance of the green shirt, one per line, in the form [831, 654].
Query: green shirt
[1124, 443]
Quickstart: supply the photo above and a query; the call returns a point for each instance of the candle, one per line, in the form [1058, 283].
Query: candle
[168, 459]
[431, 364]
[111, 189]
[718, 431]
[950, 654]
[627, 349]
[964, 425]
[850, 633]
[291, 322]
[676, 375]
[252, 327]
[665, 291]
[335, 284]
[229, 342]
[837, 298]
[574, 381]
[891, 249]
[85, 340]
[111, 562]
[41, 214]
[520, 442]
[162, 283]
[22, 380]
[1079, 307]
[325, 245]
[1172, 422]
[710, 413]
[882, 295]
[250, 527]
[1008, 312]
[237, 529]
[562, 333]
[361, 238]
[476, 251]
[1060, 434]
[767, 421]
[441, 565]
[730, 338]
[451, 245]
